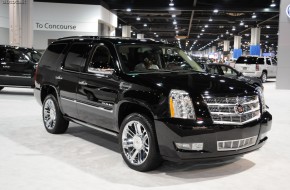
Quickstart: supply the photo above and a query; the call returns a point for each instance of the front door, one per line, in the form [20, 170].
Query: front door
[98, 89]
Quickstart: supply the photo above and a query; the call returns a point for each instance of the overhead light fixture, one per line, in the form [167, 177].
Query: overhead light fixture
[210, 20]
[173, 16]
[242, 23]
[206, 26]
[201, 34]
[174, 22]
[202, 30]
[227, 32]
[198, 36]
[138, 18]
[171, 4]
[120, 26]
[128, 9]
[254, 15]
[175, 27]
[268, 26]
[157, 36]
[145, 25]
[273, 4]
[234, 28]
[154, 33]
[216, 11]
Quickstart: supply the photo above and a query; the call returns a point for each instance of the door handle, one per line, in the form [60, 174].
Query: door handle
[58, 77]
[83, 83]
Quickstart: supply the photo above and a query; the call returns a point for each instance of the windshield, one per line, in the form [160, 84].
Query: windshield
[154, 58]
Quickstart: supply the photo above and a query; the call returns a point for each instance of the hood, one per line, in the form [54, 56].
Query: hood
[192, 82]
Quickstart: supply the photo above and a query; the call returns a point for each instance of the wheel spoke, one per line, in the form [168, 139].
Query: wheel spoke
[134, 155]
[138, 128]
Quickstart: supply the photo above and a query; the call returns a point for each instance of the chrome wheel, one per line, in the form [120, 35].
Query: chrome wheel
[135, 142]
[49, 114]
[264, 77]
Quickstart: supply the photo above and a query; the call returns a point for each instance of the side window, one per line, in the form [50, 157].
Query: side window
[260, 61]
[15, 56]
[76, 56]
[52, 54]
[213, 70]
[101, 61]
[274, 62]
[2, 54]
[228, 71]
[268, 61]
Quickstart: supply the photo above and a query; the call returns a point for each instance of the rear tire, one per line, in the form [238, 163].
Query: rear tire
[1, 88]
[52, 117]
[138, 143]
[264, 77]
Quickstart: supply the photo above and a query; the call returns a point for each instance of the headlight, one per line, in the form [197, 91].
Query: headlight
[181, 105]
[262, 98]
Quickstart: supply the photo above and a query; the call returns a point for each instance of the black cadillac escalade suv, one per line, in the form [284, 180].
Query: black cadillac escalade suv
[17, 66]
[158, 109]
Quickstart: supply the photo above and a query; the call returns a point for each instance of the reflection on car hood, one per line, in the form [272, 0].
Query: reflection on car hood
[195, 83]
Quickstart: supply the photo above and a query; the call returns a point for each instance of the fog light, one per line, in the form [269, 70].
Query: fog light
[190, 146]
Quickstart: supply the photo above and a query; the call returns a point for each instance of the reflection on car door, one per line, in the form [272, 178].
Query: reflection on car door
[274, 64]
[270, 67]
[98, 89]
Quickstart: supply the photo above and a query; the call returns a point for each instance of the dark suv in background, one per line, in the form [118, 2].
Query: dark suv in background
[158, 107]
[17, 66]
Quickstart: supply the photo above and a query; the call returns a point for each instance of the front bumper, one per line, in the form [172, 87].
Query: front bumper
[169, 133]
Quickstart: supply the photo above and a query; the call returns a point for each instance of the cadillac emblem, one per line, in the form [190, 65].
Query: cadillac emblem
[239, 109]
[288, 11]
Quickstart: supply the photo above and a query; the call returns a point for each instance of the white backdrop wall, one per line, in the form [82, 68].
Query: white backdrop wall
[4, 24]
[55, 20]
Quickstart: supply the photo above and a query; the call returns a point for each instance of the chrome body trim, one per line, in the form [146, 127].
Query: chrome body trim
[236, 144]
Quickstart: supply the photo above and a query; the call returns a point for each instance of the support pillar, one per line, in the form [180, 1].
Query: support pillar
[255, 48]
[237, 47]
[126, 31]
[20, 22]
[226, 45]
[140, 36]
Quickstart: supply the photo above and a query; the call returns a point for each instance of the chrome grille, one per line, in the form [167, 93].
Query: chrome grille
[236, 144]
[226, 110]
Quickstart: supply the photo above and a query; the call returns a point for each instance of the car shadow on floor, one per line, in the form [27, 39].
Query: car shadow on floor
[169, 173]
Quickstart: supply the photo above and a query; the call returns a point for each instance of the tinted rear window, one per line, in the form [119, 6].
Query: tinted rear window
[247, 60]
[75, 57]
[52, 54]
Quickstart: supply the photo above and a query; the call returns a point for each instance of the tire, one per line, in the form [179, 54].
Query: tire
[264, 77]
[52, 117]
[142, 143]
[1, 88]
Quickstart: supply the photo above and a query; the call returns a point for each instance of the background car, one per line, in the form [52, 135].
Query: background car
[228, 71]
[260, 67]
[17, 66]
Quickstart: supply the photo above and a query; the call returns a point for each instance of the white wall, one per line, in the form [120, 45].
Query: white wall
[80, 20]
[4, 24]
[41, 37]
[283, 48]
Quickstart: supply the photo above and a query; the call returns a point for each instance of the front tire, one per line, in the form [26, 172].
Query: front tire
[52, 117]
[138, 143]
[264, 77]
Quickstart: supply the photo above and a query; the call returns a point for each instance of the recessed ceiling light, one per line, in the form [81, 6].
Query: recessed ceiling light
[202, 30]
[216, 11]
[138, 18]
[206, 26]
[174, 22]
[173, 16]
[210, 20]
[128, 10]
[145, 25]
[268, 26]
[254, 15]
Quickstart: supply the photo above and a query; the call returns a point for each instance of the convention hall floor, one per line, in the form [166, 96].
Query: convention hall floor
[32, 159]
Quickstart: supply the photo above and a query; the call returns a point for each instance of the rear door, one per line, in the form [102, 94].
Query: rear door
[67, 77]
[98, 88]
[274, 64]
